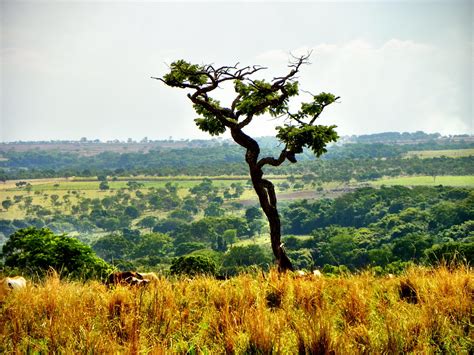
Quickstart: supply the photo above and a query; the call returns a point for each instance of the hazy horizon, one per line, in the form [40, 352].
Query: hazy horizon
[82, 69]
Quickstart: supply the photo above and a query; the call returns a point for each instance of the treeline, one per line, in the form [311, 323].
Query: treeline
[359, 161]
[389, 150]
[383, 227]
[396, 137]
[344, 170]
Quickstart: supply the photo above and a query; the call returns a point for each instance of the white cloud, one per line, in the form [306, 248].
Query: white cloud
[399, 85]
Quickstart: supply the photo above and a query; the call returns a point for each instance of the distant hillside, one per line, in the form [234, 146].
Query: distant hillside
[25, 160]
[85, 147]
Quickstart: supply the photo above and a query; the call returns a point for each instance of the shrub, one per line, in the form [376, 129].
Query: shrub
[193, 265]
[35, 250]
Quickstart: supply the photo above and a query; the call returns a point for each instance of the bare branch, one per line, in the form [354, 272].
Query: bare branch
[180, 85]
[307, 92]
[299, 60]
[294, 117]
[296, 64]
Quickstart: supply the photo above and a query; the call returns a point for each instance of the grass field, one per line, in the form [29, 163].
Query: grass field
[82, 184]
[467, 180]
[449, 153]
[423, 311]
[42, 189]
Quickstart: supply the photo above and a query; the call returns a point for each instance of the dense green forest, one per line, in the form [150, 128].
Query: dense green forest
[383, 227]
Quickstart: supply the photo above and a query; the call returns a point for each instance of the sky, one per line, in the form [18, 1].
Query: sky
[73, 69]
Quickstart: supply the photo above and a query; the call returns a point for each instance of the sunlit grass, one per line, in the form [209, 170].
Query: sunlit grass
[247, 314]
[466, 180]
[449, 153]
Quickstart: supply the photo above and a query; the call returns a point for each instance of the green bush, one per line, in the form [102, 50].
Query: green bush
[193, 265]
[34, 251]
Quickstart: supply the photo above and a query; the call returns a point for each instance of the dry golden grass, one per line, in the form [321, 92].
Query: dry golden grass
[423, 311]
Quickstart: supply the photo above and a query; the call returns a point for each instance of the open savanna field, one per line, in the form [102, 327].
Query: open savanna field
[447, 180]
[421, 311]
[42, 189]
[449, 153]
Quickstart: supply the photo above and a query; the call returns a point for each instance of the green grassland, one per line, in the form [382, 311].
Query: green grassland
[467, 180]
[42, 189]
[449, 153]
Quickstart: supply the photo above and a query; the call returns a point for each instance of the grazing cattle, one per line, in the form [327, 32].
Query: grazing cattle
[9, 284]
[133, 281]
[15, 282]
[121, 277]
[150, 276]
[300, 274]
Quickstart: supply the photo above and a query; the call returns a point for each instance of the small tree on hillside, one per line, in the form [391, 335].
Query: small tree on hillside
[104, 185]
[254, 98]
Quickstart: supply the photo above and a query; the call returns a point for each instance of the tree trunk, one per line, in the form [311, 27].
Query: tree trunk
[266, 196]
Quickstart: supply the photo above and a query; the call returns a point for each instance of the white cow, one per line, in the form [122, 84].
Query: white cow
[150, 276]
[9, 284]
[316, 274]
[14, 282]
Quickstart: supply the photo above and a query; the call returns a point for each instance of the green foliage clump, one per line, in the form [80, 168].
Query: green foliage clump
[451, 253]
[182, 71]
[209, 121]
[241, 257]
[193, 265]
[313, 137]
[35, 251]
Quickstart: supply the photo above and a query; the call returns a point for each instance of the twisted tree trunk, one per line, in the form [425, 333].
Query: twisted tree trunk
[266, 196]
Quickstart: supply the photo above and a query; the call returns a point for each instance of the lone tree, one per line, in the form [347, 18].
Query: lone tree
[254, 98]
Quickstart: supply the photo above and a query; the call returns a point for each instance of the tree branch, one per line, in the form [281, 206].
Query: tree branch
[246, 121]
[272, 161]
[225, 116]
[322, 109]
[179, 85]
[299, 61]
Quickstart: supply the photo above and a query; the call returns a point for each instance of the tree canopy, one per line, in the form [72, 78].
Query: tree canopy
[35, 250]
